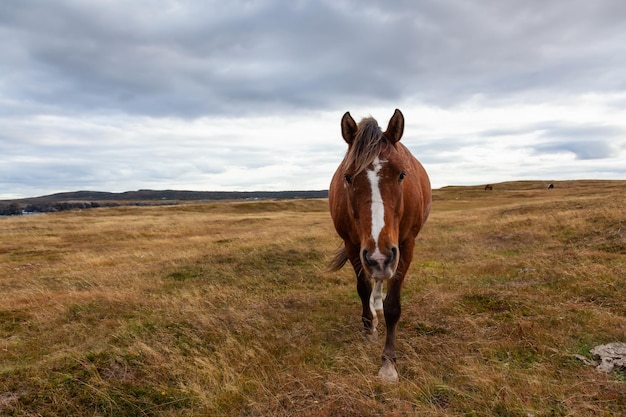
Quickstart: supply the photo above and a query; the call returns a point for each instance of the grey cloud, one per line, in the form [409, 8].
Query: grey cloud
[582, 150]
[80, 80]
[46, 175]
[194, 58]
[586, 142]
[563, 131]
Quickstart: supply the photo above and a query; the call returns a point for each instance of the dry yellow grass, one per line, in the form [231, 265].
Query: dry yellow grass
[226, 309]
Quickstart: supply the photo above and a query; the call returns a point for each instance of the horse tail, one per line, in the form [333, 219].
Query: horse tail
[339, 260]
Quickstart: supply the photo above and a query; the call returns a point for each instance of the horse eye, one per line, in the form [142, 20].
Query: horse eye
[402, 175]
[348, 178]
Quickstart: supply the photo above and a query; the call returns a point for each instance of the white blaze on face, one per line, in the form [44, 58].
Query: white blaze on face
[378, 207]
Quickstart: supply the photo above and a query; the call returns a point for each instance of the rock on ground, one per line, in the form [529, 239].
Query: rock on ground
[612, 356]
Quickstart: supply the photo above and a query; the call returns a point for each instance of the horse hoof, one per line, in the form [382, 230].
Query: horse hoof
[370, 336]
[388, 373]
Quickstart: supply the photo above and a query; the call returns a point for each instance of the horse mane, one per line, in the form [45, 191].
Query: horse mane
[367, 144]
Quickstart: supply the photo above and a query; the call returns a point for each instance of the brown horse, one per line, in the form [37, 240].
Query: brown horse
[379, 200]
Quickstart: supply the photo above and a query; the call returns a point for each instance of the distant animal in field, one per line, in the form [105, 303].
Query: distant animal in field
[379, 199]
[550, 187]
[488, 187]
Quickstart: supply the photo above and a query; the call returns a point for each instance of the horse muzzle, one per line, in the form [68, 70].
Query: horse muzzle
[378, 265]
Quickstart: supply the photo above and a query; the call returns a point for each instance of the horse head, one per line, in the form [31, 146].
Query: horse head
[374, 176]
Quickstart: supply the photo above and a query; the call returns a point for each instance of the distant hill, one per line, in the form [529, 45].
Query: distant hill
[92, 199]
[142, 195]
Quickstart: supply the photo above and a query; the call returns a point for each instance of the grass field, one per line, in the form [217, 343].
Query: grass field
[226, 309]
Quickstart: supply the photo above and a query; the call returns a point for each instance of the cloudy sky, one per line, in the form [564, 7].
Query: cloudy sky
[113, 95]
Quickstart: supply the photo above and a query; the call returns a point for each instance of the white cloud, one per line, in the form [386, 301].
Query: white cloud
[248, 95]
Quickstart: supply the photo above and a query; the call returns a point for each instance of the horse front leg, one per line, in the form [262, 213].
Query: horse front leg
[376, 299]
[392, 311]
[370, 320]
[364, 289]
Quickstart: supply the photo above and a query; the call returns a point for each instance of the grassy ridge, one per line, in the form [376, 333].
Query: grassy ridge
[226, 309]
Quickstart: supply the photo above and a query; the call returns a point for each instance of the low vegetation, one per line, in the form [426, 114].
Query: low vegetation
[227, 309]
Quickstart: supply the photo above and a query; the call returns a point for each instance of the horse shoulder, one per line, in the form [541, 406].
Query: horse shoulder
[339, 210]
[418, 198]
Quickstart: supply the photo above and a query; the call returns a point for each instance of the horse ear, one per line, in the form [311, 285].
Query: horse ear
[348, 128]
[395, 129]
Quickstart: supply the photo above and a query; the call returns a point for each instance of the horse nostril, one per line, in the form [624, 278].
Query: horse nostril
[370, 261]
[394, 254]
